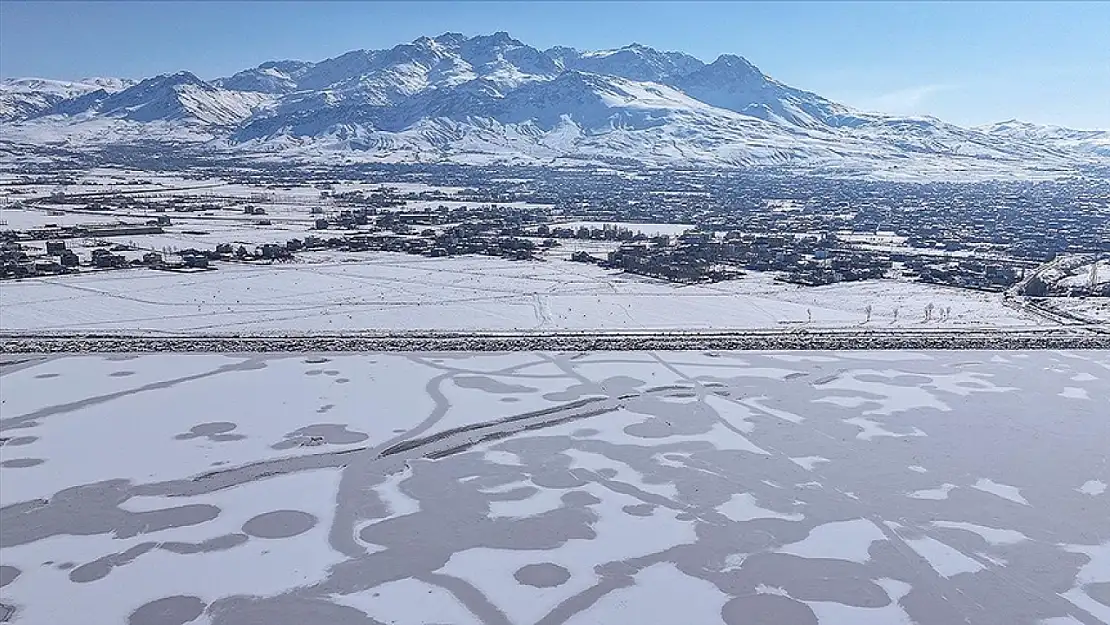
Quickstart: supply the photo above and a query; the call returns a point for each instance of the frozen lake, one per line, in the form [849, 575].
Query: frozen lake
[846, 488]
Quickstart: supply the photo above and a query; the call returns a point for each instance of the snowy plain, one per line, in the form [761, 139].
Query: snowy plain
[586, 488]
[392, 291]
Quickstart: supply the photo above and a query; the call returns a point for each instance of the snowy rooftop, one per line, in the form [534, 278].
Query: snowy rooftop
[839, 488]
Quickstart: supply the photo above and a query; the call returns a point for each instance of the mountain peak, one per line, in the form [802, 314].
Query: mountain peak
[450, 38]
[182, 77]
[497, 40]
[735, 64]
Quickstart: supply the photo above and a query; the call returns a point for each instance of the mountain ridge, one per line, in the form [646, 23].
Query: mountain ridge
[454, 98]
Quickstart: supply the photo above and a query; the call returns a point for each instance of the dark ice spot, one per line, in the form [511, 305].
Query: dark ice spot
[342, 380]
[8, 575]
[320, 434]
[279, 524]
[90, 572]
[767, 609]
[910, 380]
[491, 385]
[331, 372]
[16, 441]
[121, 374]
[240, 610]
[579, 499]
[176, 610]
[101, 567]
[315, 360]
[46, 376]
[216, 431]
[639, 509]
[557, 479]
[1099, 591]
[65, 566]
[509, 400]
[218, 543]
[314, 372]
[21, 463]
[542, 575]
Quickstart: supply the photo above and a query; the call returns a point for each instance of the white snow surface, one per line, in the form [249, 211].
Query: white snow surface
[335, 292]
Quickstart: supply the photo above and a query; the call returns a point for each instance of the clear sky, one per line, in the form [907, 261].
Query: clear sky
[965, 62]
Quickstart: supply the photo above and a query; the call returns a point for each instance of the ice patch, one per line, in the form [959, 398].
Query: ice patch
[1004, 491]
[596, 462]
[743, 507]
[1096, 570]
[545, 500]
[841, 540]
[844, 402]
[409, 601]
[870, 429]
[890, 614]
[652, 600]
[992, 535]
[399, 503]
[933, 493]
[1092, 487]
[808, 462]
[945, 560]
[1072, 392]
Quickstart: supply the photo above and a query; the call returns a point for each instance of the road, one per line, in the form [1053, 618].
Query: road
[1070, 337]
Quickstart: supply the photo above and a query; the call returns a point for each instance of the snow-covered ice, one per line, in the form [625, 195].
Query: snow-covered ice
[617, 486]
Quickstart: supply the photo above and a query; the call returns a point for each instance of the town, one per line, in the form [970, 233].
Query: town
[809, 231]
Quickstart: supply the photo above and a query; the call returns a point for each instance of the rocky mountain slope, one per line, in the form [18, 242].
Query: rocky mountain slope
[493, 99]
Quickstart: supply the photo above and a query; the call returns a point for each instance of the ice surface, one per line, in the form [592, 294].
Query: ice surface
[890, 614]
[409, 600]
[648, 600]
[287, 488]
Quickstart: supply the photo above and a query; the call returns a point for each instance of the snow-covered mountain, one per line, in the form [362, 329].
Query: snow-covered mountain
[634, 62]
[492, 98]
[1092, 141]
[23, 98]
[167, 98]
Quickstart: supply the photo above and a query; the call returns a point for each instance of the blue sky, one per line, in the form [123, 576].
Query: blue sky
[965, 62]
